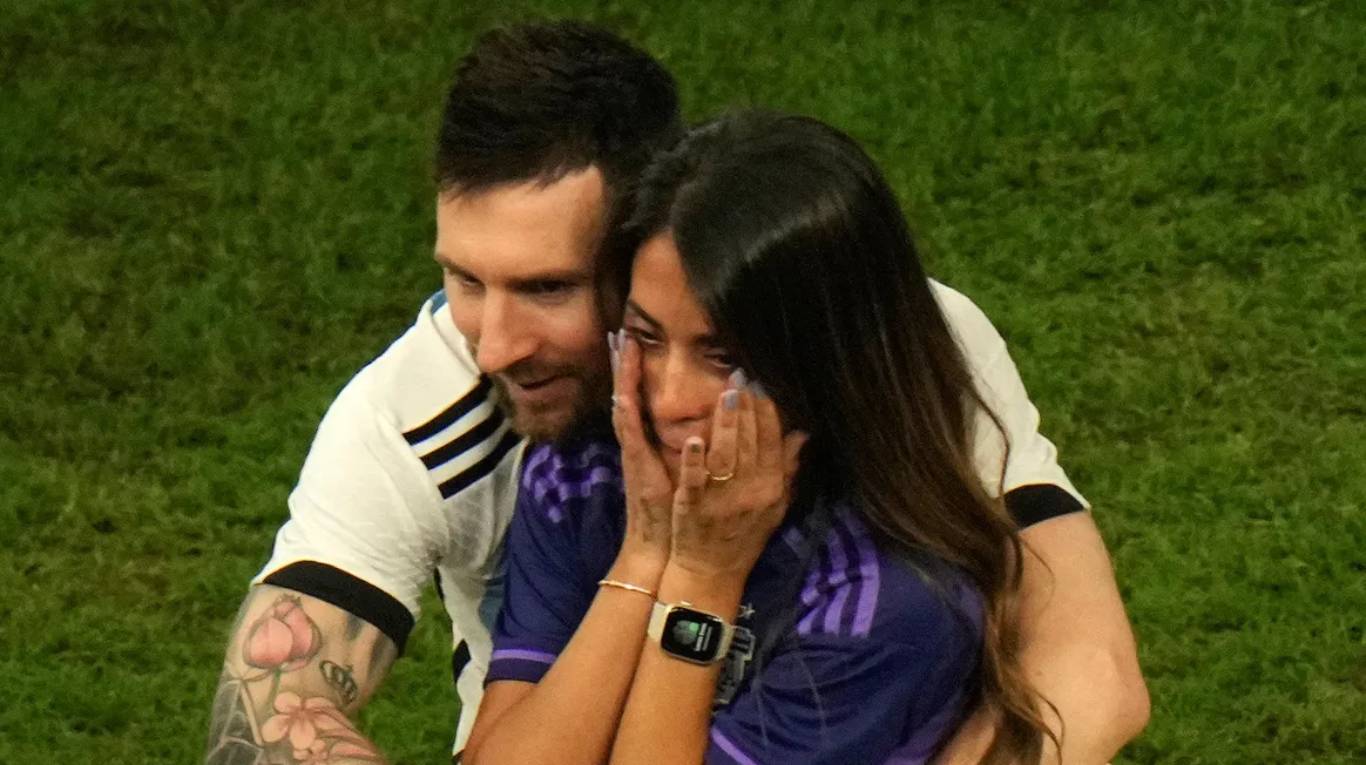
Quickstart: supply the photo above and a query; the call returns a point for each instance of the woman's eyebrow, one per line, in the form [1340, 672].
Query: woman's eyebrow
[706, 339]
[641, 314]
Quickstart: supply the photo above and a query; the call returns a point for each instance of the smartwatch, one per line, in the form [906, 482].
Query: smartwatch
[686, 633]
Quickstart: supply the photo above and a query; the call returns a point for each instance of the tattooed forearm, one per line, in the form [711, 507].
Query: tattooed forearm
[340, 678]
[288, 683]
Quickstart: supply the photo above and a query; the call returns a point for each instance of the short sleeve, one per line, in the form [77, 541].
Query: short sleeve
[1034, 484]
[841, 700]
[365, 527]
[546, 595]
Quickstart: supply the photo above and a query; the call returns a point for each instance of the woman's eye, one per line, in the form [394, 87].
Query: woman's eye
[721, 360]
[642, 336]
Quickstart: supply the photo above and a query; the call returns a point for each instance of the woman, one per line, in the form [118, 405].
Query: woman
[807, 570]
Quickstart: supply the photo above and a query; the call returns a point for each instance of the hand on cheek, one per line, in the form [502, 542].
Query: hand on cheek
[731, 496]
[647, 487]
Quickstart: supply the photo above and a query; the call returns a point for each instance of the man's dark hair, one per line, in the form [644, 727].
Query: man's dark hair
[540, 101]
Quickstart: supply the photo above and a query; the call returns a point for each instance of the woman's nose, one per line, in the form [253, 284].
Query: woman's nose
[680, 393]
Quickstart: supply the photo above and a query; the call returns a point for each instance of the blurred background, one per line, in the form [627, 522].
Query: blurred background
[213, 213]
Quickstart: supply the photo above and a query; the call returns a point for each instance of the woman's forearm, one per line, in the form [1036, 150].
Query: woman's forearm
[668, 712]
[571, 715]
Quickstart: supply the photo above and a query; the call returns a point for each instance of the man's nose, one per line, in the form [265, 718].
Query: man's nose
[505, 337]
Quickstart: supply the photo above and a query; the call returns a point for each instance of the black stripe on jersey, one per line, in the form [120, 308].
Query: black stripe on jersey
[466, 441]
[349, 593]
[1029, 505]
[459, 660]
[455, 411]
[481, 468]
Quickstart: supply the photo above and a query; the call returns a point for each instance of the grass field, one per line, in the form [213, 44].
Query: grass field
[212, 213]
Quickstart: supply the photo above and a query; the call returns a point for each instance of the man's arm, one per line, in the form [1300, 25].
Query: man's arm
[297, 671]
[1078, 649]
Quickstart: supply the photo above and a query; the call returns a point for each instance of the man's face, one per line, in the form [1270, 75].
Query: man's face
[521, 279]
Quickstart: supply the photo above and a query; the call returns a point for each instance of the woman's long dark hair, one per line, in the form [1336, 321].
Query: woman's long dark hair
[797, 248]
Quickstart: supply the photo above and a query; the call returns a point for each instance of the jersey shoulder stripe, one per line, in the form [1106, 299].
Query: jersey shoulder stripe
[840, 594]
[443, 408]
[450, 414]
[486, 464]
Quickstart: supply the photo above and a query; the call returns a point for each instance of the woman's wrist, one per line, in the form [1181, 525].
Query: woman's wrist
[640, 568]
[716, 592]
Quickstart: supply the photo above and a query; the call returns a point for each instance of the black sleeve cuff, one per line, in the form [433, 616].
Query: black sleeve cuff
[1029, 505]
[349, 593]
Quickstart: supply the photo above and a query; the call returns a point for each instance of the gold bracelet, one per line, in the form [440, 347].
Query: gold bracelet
[627, 586]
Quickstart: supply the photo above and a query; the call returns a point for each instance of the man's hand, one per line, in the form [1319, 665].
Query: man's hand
[1078, 650]
[297, 670]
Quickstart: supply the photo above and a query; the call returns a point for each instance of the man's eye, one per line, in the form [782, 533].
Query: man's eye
[464, 281]
[548, 288]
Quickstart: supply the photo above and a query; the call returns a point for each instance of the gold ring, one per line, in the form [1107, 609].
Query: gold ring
[720, 478]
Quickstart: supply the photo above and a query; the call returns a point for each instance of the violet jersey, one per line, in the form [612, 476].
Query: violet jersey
[872, 658]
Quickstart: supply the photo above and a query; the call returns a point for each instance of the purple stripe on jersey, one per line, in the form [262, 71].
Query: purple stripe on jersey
[811, 593]
[538, 458]
[729, 747]
[571, 468]
[793, 538]
[846, 530]
[868, 587]
[598, 449]
[523, 654]
[598, 476]
[573, 485]
[839, 582]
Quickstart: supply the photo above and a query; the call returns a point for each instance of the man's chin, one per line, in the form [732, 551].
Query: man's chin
[542, 422]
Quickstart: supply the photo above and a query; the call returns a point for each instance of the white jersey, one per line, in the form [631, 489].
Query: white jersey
[414, 470]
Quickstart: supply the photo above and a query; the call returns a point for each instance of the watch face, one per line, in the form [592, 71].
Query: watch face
[692, 635]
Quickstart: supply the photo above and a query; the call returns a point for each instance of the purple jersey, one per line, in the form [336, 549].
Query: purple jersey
[874, 658]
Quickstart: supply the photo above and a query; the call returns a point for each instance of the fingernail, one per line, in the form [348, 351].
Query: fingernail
[613, 354]
[612, 340]
[758, 390]
[737, 378]
[730, 400]
[694, 445]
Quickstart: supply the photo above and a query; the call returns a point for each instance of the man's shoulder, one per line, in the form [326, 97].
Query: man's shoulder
[425, 395]
[423, 372]
[975, 333]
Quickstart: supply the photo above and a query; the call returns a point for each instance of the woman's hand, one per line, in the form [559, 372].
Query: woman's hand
[648, 489]
[731, 496]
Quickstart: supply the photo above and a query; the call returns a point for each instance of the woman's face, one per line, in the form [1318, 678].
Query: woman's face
[683, 368]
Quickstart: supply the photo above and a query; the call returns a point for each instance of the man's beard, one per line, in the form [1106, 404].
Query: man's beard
[585, 414]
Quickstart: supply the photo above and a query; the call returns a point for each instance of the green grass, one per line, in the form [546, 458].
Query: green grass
[214, 212]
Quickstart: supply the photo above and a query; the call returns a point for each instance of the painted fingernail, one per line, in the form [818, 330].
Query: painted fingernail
[737, 378]
[730, 400]
[758, 391]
